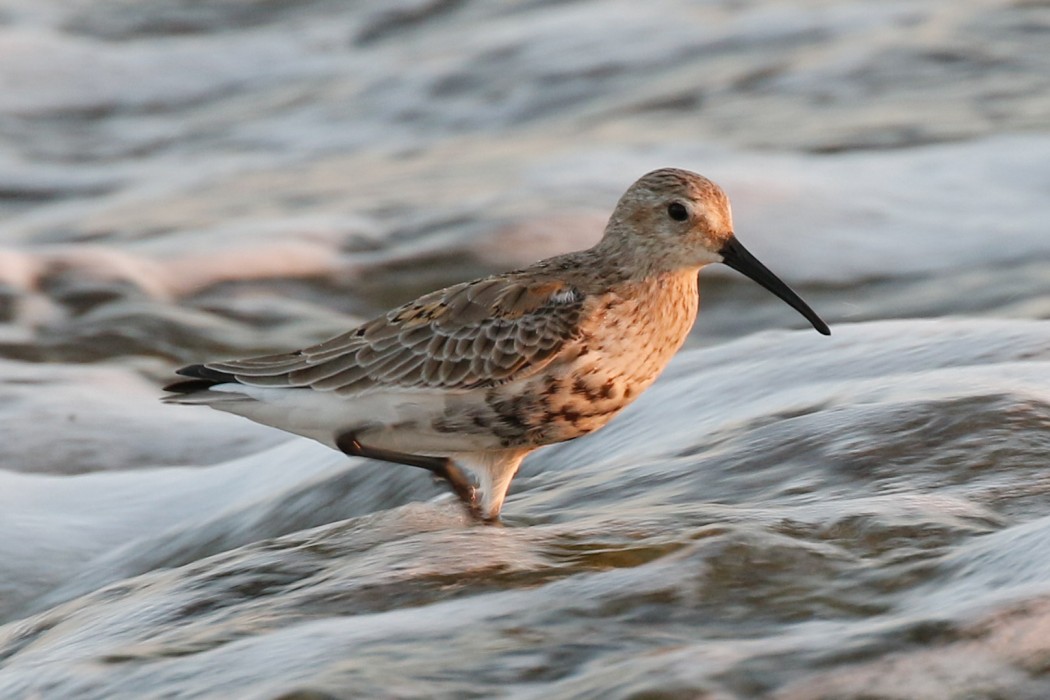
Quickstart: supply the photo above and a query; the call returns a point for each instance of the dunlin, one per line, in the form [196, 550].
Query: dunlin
[466, 381]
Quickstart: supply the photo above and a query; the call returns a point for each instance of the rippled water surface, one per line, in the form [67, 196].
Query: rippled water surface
[783, 515]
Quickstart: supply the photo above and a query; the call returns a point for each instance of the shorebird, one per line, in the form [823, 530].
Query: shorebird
[468, 380]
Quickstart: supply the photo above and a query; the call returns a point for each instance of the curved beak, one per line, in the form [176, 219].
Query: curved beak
[737, 257]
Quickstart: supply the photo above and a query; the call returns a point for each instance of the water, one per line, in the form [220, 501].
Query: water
[783, 515]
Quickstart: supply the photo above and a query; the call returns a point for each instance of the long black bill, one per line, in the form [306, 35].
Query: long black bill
[737, 257]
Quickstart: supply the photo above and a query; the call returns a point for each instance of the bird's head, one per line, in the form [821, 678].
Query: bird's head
[675, 219]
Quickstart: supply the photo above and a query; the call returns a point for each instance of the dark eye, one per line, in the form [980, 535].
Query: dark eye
[677, 211]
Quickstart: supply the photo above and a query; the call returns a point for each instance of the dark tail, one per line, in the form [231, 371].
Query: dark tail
[201, 378]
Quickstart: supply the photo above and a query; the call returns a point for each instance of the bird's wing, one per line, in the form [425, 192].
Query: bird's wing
[476, 334]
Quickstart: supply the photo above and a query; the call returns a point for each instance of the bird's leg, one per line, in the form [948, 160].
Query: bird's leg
[441, 467]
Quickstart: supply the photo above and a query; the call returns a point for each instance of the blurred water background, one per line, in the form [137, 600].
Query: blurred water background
[783, 515]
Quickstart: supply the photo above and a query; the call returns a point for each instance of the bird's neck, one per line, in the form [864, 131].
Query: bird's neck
[667, 293]
[630, 264]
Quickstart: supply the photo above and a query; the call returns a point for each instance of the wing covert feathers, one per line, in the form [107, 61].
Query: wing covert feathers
[470, 335]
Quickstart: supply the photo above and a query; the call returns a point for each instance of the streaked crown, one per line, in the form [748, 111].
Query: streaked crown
[675, 217]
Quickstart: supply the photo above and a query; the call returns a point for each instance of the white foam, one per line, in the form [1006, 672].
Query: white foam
[51, 527]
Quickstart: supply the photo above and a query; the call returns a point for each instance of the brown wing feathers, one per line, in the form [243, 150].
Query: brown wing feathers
[476, 334]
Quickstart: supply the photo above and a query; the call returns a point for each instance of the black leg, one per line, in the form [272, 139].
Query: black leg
[441, 467]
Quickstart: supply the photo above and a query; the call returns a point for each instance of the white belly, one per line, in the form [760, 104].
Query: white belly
[401, 419]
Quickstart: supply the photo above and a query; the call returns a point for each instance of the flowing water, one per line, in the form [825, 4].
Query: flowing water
[783, 515]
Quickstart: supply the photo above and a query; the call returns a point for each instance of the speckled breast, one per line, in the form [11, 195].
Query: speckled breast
[630, 337]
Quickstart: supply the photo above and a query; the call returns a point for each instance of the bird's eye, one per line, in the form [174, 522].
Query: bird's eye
[677, 211]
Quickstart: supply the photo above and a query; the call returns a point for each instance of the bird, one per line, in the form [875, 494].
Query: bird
[466, 381]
